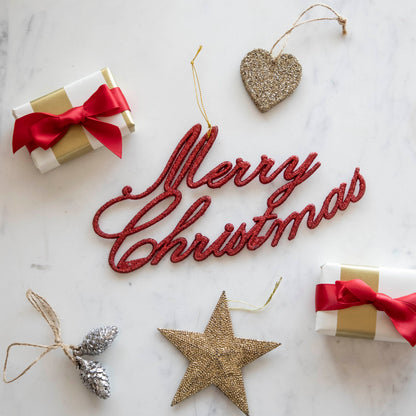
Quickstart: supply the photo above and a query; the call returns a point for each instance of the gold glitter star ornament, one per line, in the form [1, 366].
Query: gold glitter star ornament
[216, 357]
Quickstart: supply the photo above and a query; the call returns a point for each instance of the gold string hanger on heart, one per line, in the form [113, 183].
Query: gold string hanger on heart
[269, 80]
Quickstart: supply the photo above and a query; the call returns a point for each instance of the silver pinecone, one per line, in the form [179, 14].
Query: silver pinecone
[94, 376]
[96, 341]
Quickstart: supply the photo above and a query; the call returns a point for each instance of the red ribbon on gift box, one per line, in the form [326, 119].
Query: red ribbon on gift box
[355, 292]
[45, 129]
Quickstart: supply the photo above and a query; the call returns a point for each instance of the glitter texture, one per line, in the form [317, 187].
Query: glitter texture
[216, 357]
[96, 341]
[269, 80]
[94, 376]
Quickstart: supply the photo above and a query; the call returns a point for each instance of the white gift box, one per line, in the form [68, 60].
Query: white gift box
[365, 321]
[77, 140]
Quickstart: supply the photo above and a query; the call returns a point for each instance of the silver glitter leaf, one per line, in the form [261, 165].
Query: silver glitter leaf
[94, 376]
[269, 80]
[96, 341]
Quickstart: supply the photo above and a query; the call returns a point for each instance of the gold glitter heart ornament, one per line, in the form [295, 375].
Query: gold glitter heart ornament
[269, 80]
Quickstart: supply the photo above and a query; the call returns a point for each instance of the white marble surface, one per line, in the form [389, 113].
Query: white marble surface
[354, 106]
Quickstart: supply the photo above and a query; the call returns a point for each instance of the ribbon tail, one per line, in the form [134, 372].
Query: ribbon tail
[107, 134]
[22, 135]
[406, 329]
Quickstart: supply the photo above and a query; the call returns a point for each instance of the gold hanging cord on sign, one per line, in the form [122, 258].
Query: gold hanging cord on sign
[198, 93]
[253, 308]
[341, 20]
[50, 317]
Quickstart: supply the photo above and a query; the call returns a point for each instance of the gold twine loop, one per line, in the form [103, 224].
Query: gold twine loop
[51, 318]
[198, 92]
[341, 20]
[253, 308]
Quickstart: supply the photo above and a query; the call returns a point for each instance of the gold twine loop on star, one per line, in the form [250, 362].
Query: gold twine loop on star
[198, 92]
[51, 318]
[341, 20]
[253, 308]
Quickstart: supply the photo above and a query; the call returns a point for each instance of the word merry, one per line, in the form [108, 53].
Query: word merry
[183, 166]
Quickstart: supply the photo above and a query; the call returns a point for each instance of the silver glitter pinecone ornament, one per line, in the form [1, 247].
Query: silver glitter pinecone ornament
[96, 341]
[94, 376]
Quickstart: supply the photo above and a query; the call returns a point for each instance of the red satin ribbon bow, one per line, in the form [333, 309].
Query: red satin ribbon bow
[44, 129]
[344, 294]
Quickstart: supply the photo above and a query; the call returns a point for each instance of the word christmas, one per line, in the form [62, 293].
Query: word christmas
[183, 166]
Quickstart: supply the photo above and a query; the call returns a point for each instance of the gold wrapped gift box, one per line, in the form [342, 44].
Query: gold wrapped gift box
[77, 141]
[365, 321]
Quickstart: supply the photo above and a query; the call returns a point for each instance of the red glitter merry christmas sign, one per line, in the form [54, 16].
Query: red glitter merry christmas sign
[182, 167]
